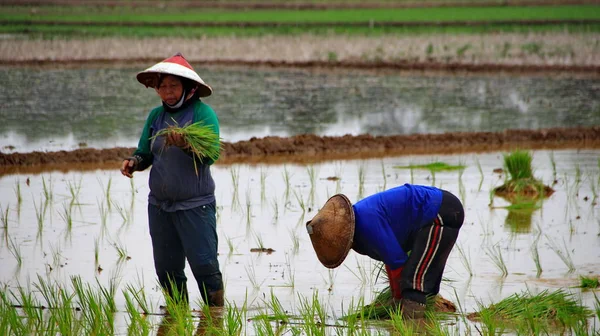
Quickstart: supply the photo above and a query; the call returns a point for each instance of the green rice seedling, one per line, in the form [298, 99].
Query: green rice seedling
[103, 214]
[235, 178]
[313, 315]
[461, 187]
[401, 326]
[564, 255]
[60, 304]
[383, 175]
[518, 164]
[287, 180]
[553, 164]
[361, 181]
[492, 194]
[263, 180]
[536, 258]
[179, 312]
[10, 321]
[597, 305]
[230, 244]
[96, 251]
[251, 272]
[259, 241]
[298, 196]
[18, 194]
[67, 216]
[202, 140]
[275, 206]
[92, 307]
[4, 217]
[40, 213]
[121, 250]
[31, 308]
[138, 325]
[74, 189]
[577, 177]
[588, 282]
[56, 254]
[295, 241]
[433, 167]
[465, 259]
[47, 187]
[274, 311]
[480, 174]
[233, 320]
[125, 216]
[312, 176]
[492, 325]
[496, 255]
[248, 206]
[291, 274]
[532, 314]
[140, 297]
[15, 250]
[360, 272]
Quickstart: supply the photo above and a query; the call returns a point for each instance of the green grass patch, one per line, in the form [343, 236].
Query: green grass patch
[151, 15]
[434, 167]
[525, 311]
[44, 31]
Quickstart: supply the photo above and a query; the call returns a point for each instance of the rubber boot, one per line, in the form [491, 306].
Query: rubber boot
[216, 298]
[412, 309]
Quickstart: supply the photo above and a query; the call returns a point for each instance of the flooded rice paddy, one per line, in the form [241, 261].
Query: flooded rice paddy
[55, 109]
[57, 225]
[93, 224]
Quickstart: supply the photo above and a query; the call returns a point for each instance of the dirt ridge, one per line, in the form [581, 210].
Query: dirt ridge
[308, 148]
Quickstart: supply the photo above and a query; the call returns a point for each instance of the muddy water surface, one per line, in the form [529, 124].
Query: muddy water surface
[257, 208]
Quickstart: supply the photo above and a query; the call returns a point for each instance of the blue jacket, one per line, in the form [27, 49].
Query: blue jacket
[384, 221]
[174, 182]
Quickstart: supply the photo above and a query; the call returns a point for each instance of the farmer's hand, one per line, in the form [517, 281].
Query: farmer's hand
[176, 139]
[128, 167]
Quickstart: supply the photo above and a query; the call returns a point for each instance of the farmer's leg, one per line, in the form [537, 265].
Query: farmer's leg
[169, 257]
[432, 244]
[197, 228]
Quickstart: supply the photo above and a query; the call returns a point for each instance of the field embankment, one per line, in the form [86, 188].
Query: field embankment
[310, 148]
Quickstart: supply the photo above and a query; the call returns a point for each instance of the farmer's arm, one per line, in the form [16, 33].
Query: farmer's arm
[143, 153]
[207, 115]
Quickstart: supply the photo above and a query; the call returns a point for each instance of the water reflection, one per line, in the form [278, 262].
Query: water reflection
[69, 108]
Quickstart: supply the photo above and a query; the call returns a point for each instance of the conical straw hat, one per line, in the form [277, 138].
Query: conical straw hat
[176, 65]
[332, 231]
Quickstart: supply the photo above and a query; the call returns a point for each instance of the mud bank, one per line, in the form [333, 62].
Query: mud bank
[312, 148]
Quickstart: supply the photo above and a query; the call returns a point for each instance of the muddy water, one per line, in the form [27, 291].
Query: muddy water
[55, 109]
[269, 214]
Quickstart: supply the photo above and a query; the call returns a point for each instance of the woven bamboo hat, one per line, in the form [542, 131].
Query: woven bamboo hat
[331, 231]
[176, 65]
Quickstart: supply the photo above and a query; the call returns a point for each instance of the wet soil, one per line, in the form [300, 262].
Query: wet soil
[309, 148]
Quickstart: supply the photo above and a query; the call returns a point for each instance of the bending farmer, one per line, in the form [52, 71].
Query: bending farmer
[386, 226]
[181, 204]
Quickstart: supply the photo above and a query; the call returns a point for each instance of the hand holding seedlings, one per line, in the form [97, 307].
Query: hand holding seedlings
[175, 138]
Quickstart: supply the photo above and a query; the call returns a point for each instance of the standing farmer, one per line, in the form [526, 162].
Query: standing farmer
[181, 203]
[386, 226]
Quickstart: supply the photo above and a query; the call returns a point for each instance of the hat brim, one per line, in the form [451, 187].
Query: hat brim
[149, 77]
[331, 231]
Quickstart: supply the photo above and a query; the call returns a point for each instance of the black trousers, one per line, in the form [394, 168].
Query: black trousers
[429, 249]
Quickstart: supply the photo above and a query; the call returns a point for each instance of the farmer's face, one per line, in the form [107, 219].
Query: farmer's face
[170, 90]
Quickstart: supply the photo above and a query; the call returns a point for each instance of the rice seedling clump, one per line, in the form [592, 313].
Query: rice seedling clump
[522, 184]
[202, 141]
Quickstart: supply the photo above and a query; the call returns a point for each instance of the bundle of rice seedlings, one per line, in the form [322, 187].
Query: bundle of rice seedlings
[201, 139]
[522, 183]
[520, 310]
